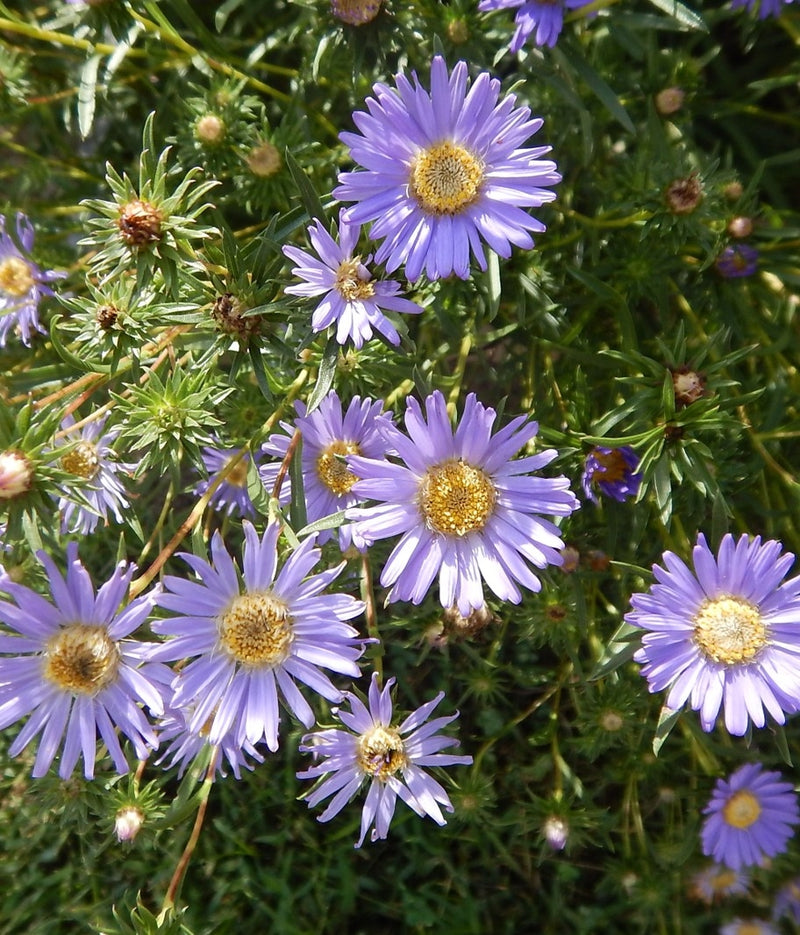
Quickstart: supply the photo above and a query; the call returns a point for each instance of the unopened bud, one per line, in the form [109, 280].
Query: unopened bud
[127, 823]
[740, 227]
[457, 31]
[16, 474]
[669, 101]
[264, 160]
[210, 129]
[556, 832]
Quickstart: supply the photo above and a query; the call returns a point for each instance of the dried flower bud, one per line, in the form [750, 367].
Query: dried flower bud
[598, 560]
[229, 316]
[127, 823]
[139, 223]
[669, 101]
[16, 474]
[611, 721]
[571, 557]
[106, 316]
[210, 129]
[689, 386]
[733, 191]
[740, 227]
[457, 31]
[684, 195]
[355, 12]
[264, 160]
[457, 625]
[556, 832]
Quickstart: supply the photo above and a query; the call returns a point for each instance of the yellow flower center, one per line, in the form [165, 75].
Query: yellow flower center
[82, 659]
[446, 178]
[238, 476]
[456, 498]
[82, 461]
[256, 630]
[381, 752]
[349, 283]
[729, 630]
[741, 809]
[332, 468]
[15, 277]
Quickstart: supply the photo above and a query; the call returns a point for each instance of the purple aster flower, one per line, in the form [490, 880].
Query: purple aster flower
[766, 8]
[70, 667]
[613, 471]
[544, 16]
[729, 633]
[737, 260]
[184, 745]
[443, 172]
[92, 461]
[352, 298]
[464, 510]
[748, 927]
[251, 640]
[750, 816]
[717, 882]
[231, 497]
[329, 436]
[389, 758]
[22, 282]
[787, 901]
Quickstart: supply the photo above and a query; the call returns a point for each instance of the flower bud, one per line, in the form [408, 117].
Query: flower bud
[127, 823]
[16, 474]
[210, 129]
[355, 12]
[683, 196]
[457, 31]
[139, 223]
[688, 385]
[740, 227]
[669, 101]
[556, 832]
[264, 160]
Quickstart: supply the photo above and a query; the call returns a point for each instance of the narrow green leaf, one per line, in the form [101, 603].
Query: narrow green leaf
[681, 13]
[325, 375]
[87, 92]
[308, 195]
[667, 719]
[598, 87]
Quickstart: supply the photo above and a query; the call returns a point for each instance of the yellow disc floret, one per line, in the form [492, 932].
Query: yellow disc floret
[256, 630]
[741, 809]
[332, 468]
[456, 498]
[729, 630]
[82, 461]
[352, 282]
[381, 752]
[81, 658]
[445, 178]
[16, 278]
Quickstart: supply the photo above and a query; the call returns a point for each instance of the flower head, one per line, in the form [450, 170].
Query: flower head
[231, 497]
[464, 510]
[748, 927]
[91, 461]
[737, 261]
[716, 882]
[727, 634]
[353, 300]
[544, 16]
[613, 471]
[787, 901]
[389, 758]
[69, 665]
[250, 640]
[766, 8]
[443, 171]
[16, 474]
[329, 436]
[22, 282]
[750, 816]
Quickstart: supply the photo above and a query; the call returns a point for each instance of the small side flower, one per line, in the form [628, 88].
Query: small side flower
[613, 472]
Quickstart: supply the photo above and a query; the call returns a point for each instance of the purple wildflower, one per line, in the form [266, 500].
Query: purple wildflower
[750, 816]
[464, 510]
[389, 758]
[544, 16]
[22, 282]
[70, 667]
[613, 471]
[787, 901]
[249, 641]
[716, 882]
[353, 300]
[329, 436]
[442, 172]
[91, 461]
[231, 497]
[766, 8]
[737, 260]
[748, 927]
[729, 633]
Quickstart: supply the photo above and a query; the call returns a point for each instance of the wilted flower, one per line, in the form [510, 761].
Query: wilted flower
[355, 12]
[91, 460]
[70, 667]
[737, 260]
[251, 640]
[750, 816]
[22, 282]
[729, 633]
[353, 300]
[388, 757]
[329, 436]
[442, 170]
[689, 385]
[613, 471]
[544, 16]
[464, 510]
[683, 196]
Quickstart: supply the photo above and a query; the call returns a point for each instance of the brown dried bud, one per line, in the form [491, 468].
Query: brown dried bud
[139, 223]
[684, 195]
[598, 560]
[733, 191]
[673, 433]
[611, 721]
[669, 101]
[264, 160]
[571, 556]
[16, 474]
[210, 129]
[106, 316]
[740, 227]
[689, 386]
[457, 625]
[229, 315]
[355, 12]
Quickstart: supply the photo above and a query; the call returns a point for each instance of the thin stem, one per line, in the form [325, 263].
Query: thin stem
[371, 614]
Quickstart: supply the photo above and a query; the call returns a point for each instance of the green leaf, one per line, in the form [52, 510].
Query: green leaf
[667, 719]
[681, 13]
[325, 375]
[332, 521]
[87, 92]
[308, 195]
[597, 86]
